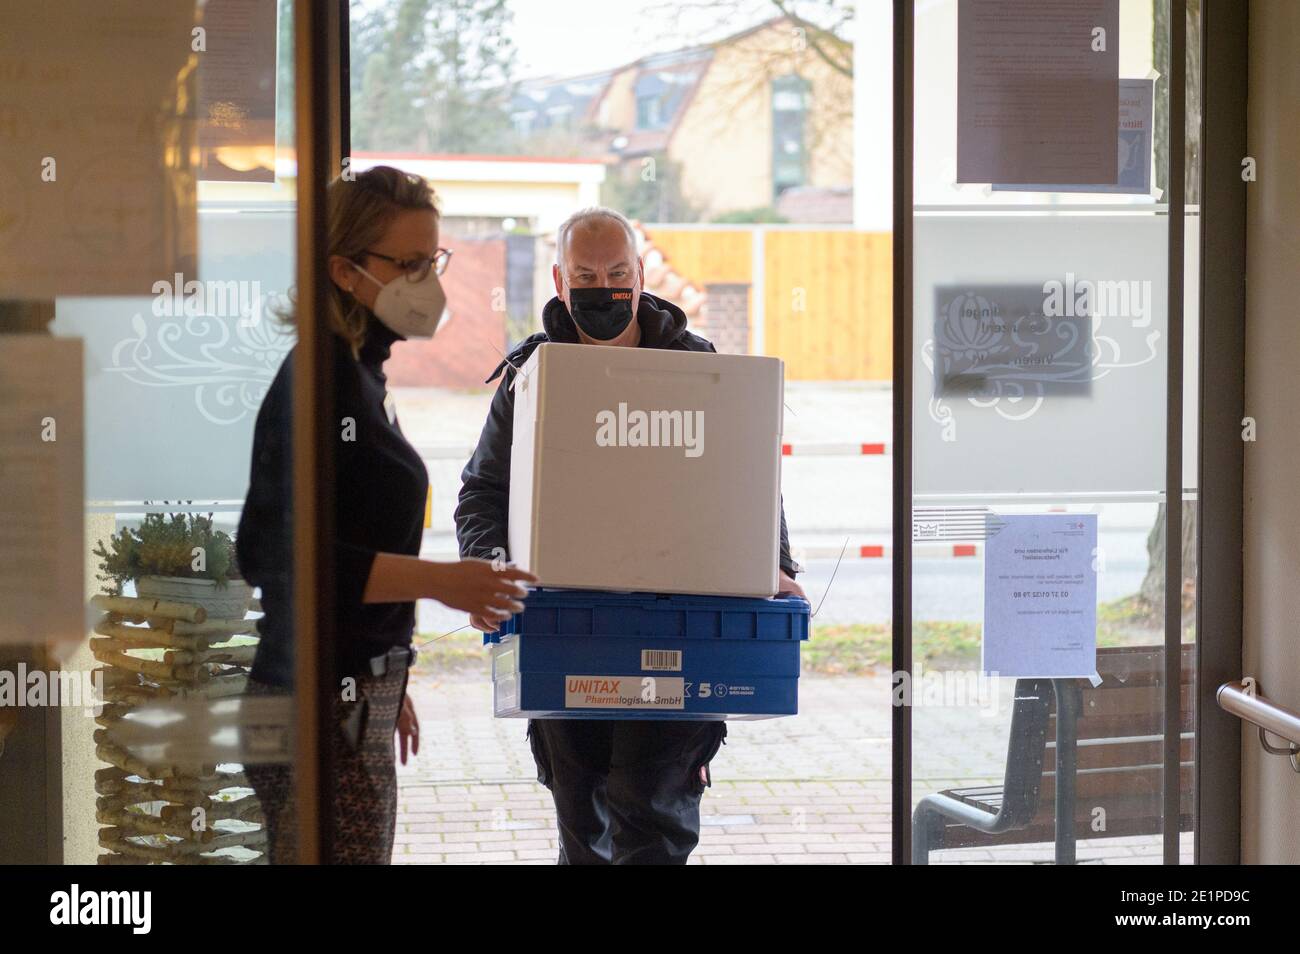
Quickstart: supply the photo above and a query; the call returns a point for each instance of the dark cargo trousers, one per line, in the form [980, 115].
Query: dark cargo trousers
[626, 791]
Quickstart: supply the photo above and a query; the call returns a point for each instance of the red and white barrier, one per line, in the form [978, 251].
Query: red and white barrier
[796, 449]
[923, 551]
[835, 449]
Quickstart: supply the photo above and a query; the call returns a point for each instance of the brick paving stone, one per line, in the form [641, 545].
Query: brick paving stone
[738, 860]
[835, 859]
[534, 845]
[415, 848]
[798, 838]
[422, 838]
[478, 837]
[770, 849]
[811, 789]
[749, 838]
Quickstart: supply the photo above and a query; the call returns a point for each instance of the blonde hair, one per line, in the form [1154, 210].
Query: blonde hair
[360, 210]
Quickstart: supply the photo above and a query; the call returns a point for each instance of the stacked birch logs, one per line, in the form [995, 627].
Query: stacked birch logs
[153, 651]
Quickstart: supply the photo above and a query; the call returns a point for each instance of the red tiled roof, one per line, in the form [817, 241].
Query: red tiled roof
[663, 281]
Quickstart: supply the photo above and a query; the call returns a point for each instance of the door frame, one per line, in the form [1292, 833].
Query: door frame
[1222, 387]
[320, 95]
[1221, 395]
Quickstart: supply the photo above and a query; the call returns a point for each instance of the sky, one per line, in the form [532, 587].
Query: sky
[612, 32]
[548, 33]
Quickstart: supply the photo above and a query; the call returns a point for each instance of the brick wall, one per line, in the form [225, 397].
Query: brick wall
[726, 321]
[465, 349]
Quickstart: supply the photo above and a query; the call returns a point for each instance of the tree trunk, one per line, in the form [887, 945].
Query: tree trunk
[1153, 585]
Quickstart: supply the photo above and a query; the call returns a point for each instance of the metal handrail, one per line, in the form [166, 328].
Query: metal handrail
[1233, 697]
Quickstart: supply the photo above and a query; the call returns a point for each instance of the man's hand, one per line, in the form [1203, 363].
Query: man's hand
[408, 728]
[483, 624]
[786, 586]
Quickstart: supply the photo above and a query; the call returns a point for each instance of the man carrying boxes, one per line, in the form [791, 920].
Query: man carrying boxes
[627, 791]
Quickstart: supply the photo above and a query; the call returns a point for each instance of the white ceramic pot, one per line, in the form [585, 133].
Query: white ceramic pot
[221, 602]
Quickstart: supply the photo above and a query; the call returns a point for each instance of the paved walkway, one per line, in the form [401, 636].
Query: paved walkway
[813, 789]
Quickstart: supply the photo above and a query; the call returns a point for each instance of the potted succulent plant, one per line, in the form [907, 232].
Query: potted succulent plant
[177, 557]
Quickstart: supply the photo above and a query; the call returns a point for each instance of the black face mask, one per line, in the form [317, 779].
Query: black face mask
[601, 313]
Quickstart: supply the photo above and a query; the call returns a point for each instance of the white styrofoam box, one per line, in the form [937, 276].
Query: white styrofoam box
[597, 501]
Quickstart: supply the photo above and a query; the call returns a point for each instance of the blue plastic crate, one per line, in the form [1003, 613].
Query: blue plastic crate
[584, 654]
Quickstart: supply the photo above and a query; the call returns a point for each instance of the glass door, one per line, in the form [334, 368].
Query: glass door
[142, 325]
[1052, 309]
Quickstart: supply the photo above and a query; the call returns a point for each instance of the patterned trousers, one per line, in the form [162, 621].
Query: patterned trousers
[365, 778]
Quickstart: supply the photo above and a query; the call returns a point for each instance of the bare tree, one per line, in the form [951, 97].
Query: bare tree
[1152, 592]
[814, 44]
[825, 23]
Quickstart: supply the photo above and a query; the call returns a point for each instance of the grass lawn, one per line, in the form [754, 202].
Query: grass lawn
[845, 649]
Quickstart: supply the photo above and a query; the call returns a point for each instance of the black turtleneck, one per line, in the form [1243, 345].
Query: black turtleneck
[381, 486]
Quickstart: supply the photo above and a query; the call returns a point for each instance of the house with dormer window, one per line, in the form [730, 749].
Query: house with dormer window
[760, 120]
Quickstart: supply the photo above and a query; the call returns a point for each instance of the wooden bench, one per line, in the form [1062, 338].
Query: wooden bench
[1113, 735]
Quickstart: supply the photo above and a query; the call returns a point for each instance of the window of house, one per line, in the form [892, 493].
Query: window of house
[560, 117]
[790, 95]
[649, 112]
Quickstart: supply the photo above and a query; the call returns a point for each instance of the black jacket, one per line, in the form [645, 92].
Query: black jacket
[482, 512]
[381, 487]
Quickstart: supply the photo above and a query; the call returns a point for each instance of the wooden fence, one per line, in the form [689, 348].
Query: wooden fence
[820, 299]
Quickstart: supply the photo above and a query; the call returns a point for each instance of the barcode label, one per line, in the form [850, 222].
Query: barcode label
[661, 660]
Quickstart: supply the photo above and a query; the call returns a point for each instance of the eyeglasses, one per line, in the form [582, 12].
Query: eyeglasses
[418, 268]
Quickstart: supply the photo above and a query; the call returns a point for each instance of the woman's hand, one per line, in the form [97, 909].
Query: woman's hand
[408, 728]
[481, 588]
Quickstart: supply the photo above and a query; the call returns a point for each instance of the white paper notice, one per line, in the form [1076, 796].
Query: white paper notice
[1037, 91]
[42, 550]
[1136, 132]
[1040, 595]
[97, 193]
[237, 91]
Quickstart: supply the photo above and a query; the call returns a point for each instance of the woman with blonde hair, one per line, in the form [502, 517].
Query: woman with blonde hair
[384, 265]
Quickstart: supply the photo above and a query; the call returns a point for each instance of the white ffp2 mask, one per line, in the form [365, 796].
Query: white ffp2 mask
[412, 309]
